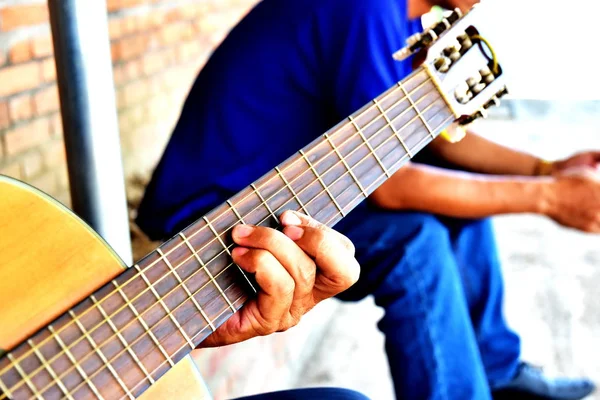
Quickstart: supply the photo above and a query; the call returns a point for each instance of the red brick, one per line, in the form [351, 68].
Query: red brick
[16, 16]
[130, 47]
[114, 28]
[56, 127]
[32, 164]
[155, 62]
[128, 25]
[27, 136]
[20, 108]
[49, 70]
[46, 100]
[54, 154]
[174, 33]
[42, 47]
[189, 50]
[19, 77]
[20, 52]
[3, 58]
[4, 116]
[12, 170]
[113, 5]
[133, 70]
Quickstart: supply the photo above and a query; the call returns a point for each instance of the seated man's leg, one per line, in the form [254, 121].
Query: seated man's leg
[407, 263]
[477, 258]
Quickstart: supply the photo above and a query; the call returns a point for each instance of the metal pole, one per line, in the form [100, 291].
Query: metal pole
[87, 99]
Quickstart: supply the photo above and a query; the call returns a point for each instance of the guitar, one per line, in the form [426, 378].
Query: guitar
[78, 323]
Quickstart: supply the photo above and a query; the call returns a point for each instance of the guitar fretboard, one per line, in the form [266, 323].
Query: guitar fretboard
[125, 336]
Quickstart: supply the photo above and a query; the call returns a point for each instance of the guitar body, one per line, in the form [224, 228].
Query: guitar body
[49, 261]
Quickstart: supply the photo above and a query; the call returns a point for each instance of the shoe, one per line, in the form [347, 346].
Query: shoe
[530, 383]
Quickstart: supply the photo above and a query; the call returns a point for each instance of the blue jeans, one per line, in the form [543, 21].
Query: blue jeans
[440, 284]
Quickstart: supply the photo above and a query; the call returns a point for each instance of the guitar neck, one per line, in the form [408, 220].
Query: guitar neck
[136, 327]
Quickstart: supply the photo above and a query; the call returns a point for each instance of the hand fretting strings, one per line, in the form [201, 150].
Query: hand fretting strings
[327, 223]
[378, 118]
[231, 264]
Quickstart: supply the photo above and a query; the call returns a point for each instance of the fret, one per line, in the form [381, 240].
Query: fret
[391, 125]
[310, 165]
[414, 106]
[120, 336]
[49, 368]
[362, 136]
[65, 349]
[238, 216]
[103, 357]
[264, 203]
[187, 290]
[4, 390]
[210, 226]
[147, 328]
[164, 306]
[287, 184]
[211, 277]
[343, 160]
[24, 376]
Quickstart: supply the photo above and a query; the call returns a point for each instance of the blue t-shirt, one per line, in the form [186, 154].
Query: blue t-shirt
[289, 71]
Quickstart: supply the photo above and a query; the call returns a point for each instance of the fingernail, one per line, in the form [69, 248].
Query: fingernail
[239, 251]
[293, 232]
[242, 231]
[290, 218]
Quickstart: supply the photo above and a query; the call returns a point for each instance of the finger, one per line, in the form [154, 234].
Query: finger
[277, 288]
[297, 263]
[337, 267]
[294, 218]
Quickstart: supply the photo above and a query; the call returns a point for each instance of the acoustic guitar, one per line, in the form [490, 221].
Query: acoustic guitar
[77, 323]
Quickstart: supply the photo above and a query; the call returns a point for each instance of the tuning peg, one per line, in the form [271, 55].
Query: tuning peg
[486, 75]
[494, 101]
[503, 92]
[465, 43]
[442, 64]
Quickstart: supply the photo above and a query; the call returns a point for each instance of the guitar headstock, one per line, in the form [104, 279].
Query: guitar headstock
[461, 62]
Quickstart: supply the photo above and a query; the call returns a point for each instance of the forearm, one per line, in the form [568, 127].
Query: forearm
[459, 194]
[477, 154]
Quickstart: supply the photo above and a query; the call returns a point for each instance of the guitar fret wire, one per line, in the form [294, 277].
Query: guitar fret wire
[167, 310]
[222, 312]
[263, 221]
[362, 136]
[122, 339]
[321, 181]
[258, 193]
[71, 357]
[184, 286]
[416, 109]
[49, 368]
[203, 267]
[438, 85]
[105, 360]
[264, 202]
[392, 128]
[238, 216]
[4, 392]
[292, 190]
[398, 161]
[343, 160]
[24, 376]
[148, 331]
[218, 236]
[167, 357]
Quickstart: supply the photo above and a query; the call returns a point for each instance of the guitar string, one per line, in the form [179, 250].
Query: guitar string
[338, 213]
[71, 345]
[393, 91]
[121, 330]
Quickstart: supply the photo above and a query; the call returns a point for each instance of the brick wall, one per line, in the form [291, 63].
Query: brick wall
[157, 48]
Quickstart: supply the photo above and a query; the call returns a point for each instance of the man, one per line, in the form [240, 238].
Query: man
[287, 73]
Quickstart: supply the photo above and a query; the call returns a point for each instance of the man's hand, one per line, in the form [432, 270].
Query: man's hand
[295, 270]
[574, 200]
[589, 159]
